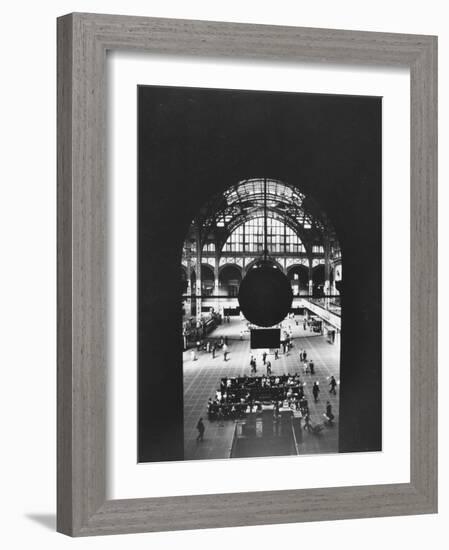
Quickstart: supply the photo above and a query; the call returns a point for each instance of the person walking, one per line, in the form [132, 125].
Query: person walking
[268, 368]
[304, 367]
[264, 357]
[333, 385]
[213, 350]
[200, 427]
[276, 354]
[311, 367]
[307, 424]
[329, 414]
[253, 365]
[315, 391]
[225, 352]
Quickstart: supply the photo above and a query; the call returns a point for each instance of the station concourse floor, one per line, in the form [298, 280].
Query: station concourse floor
[202, 379]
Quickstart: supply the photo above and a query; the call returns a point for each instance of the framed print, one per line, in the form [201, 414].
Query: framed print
[227, 292]
[269, 361]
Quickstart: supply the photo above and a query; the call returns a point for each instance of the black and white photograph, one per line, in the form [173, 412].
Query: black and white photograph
[260, 273]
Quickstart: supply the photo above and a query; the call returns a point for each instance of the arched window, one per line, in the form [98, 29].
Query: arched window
[249, 237]
[209, 247]
[229, 228]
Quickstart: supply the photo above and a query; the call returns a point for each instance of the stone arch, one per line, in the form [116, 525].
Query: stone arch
[207, 279]
[298, 274]
[230, 277]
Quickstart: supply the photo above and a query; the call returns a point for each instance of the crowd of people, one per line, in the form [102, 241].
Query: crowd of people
[307, 365]
[238, 396]
[211, 346]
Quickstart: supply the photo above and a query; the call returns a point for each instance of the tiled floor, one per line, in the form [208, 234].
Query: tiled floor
[202, 377]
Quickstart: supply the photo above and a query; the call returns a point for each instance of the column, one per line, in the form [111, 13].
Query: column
[199, 289]
[216, 278]
[333, 288]
[310, 277]
[326, 246]
[189, 290]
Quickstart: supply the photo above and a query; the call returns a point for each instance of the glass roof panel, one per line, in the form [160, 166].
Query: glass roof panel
[253, 190]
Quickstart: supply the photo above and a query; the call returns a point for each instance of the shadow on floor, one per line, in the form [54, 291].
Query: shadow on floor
[46, 520]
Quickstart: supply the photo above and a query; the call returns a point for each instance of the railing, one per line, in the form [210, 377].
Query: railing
[332, 317]
[329, 303]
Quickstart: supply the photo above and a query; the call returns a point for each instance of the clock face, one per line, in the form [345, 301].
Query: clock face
[265, 296]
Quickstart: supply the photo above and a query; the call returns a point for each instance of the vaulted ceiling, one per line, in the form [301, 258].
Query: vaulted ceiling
[246, 200]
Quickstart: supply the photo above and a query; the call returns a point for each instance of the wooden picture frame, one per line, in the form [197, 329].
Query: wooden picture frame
[83, 40]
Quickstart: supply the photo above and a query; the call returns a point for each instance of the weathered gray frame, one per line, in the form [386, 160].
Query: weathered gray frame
[83, 40]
